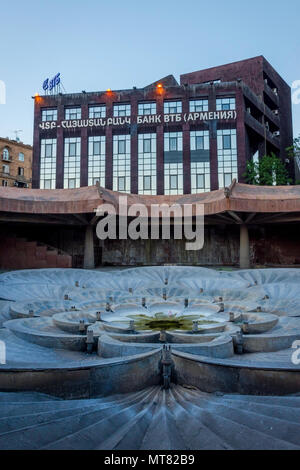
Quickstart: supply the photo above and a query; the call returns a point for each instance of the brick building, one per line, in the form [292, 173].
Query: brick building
[167, 138]
[16, 163]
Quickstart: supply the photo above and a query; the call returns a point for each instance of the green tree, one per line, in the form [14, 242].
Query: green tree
[294, 150]
[268, 171]
[293, 153]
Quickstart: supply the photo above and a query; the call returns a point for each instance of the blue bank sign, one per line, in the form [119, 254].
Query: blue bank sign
[49, 85]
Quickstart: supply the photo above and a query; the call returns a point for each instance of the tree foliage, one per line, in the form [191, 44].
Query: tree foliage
[267, 171]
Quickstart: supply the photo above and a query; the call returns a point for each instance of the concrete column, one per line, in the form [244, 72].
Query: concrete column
[60, 150]
[186, 159]
[242, 150]
[89, 260]
[84, 148]
[244, 247]
[160, 170]
[134, 146]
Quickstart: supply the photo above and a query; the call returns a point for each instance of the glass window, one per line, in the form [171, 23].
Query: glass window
[48, 164]
[147, 183]
[227, 156]
[6, 169]
[49, 114]
[121, 162]
[121, 183]
[173, 143]
[97, 112]
[72, 157]
[48, 150]
[224, 104]
[96, 147]
[172, 107]
[197, 106]
[72, 149]
[147, 163]
[173, 182]
[122, 110]
[5, 154]
[200, 162]
[228, 179]
[200, 181]
[96, 160]
[147, 145]
[72, 113]
[146, 108]
[20, 171]
[122, 146]
[226, 142]
[21, 157]
[199, 142]
[173, 163]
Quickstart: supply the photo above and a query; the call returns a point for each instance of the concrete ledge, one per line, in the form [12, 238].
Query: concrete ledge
[137, 338]
[186, 338]
[268, 343]
[48, 339]
[221, 347]
[259, 322]
[110, 347]
[212, 376]
[111, 376]
[69, 321]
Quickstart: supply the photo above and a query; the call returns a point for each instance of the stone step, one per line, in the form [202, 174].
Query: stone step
[153, 419]
[91, 436]
[19, 253]
[288, 413]
[14, 398]
[131, 433]
[238, 435]
[163, 432]
[195, 430]
[14, 423]
[278, 429]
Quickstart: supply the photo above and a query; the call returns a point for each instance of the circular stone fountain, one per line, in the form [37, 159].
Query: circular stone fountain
[82, 334]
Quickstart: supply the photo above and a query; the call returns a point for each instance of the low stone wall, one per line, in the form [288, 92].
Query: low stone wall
[212, 376]
[110, 347]
[113, 376]
[268, 343]
[47, 339]
[221, 348]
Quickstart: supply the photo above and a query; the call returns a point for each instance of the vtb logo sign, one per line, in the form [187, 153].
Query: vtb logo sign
[2, 92]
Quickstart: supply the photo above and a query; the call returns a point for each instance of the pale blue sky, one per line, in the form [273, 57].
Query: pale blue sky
[117, 44]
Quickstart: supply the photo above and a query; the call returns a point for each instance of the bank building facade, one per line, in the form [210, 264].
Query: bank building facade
[166, 138]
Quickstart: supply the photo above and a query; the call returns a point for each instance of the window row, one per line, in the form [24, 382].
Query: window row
[7, 157]
[147, 162]
[146, 108]
[6, 170]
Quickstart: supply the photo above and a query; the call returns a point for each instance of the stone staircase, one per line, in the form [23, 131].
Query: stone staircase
[20, 253]
[181, 418]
